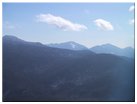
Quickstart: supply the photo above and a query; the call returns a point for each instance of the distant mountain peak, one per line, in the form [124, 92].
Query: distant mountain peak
[109, 45]
[71, 45]
[12, 38]
[112, 49]
[128, 48]
[69, 42]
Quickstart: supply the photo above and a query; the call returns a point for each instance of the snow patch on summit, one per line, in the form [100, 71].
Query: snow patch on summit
[73, 45]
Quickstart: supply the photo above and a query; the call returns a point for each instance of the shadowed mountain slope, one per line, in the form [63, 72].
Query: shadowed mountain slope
[35, 72]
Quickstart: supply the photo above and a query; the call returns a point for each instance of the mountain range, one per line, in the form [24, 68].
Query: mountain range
[36, 72]
[111, 49]
[105, 48]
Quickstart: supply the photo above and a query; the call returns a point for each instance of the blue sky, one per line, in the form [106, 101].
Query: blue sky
[89, 24]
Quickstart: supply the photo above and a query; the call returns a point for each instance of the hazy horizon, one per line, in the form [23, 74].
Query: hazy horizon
[89, 24]
[71, 41]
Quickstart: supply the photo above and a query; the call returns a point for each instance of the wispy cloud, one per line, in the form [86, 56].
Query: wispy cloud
[60, 22]
[131, 8]
[131, 21]
[103, 24]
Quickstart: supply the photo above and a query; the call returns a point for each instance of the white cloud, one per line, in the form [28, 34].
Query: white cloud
[103, 24]
[131, 8]
[60, 22]
[131, 22]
